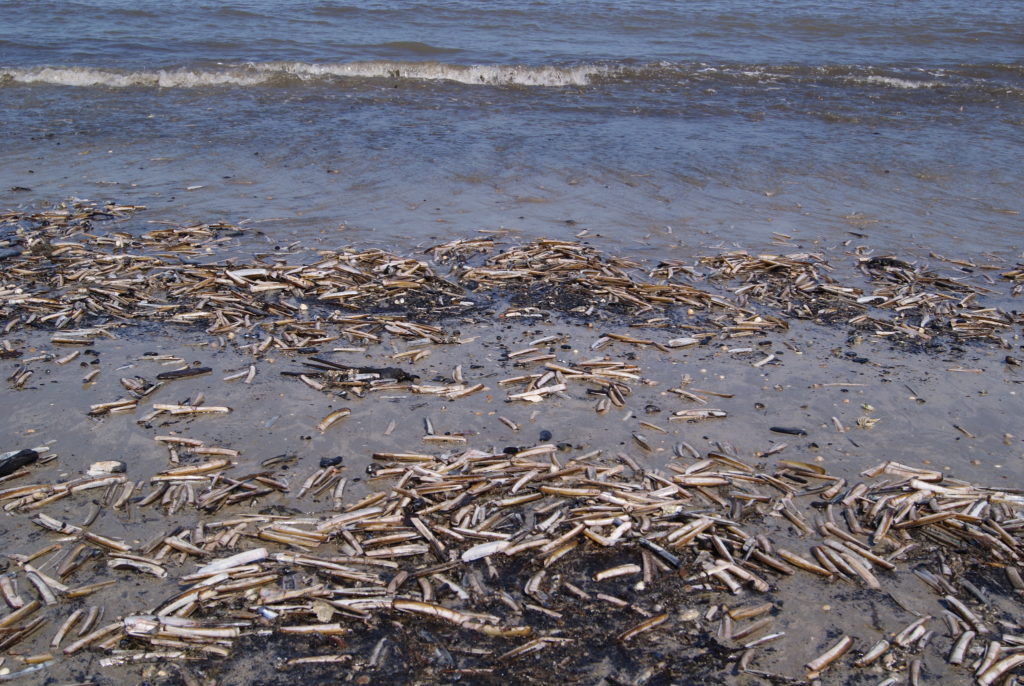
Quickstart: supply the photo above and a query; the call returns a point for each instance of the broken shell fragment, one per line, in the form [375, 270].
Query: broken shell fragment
[107, 467]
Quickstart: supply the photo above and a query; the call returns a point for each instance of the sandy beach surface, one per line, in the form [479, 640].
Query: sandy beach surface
[469, 457]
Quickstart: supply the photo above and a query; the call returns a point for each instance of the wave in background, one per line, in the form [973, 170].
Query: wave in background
[284, 72]
[996, 78]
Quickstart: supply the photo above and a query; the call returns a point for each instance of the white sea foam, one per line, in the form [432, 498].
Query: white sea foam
[258, 73]
[162, 78]
[550, 76]
[893, 82]
[540, 76]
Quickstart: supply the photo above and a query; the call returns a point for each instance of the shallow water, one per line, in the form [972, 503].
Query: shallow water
[661, 126]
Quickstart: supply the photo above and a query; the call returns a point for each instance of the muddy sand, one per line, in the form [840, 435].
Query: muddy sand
[496, 462]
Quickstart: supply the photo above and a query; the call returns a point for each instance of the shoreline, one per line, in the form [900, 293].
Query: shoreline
[856, 397]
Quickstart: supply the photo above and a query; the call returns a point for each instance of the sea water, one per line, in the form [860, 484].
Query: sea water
[658, 127]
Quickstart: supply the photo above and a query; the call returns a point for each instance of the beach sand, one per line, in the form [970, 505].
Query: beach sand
[944, 405]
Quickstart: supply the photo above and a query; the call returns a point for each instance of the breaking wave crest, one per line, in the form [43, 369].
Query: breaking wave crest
[438, 71]
[269, 72]
[1006, 79]
[893, 82]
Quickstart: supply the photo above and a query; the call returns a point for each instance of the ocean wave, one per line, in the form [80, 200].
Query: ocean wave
[490, 75]
[894, 82]
[968, 77]
[268, 72]
[110, 78]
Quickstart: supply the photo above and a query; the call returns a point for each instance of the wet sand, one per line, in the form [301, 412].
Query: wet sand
[933, 403]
